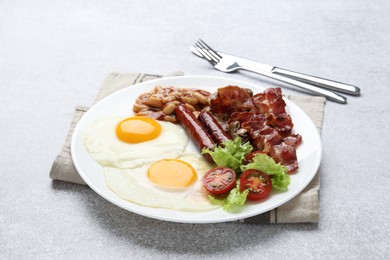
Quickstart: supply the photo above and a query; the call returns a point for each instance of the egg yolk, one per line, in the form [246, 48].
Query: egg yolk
[172, 173]
[138, 129]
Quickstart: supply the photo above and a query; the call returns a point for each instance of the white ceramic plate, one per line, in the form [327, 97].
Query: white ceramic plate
[120, 104]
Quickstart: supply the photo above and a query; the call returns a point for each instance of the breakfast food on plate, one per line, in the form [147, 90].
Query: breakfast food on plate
[260, 119]
[245, 141]
[137, 129]
[160, 103]
[102, 140]
[162, 191]
[194, 128]
[219, 180]
[213, 127]
[148, 162]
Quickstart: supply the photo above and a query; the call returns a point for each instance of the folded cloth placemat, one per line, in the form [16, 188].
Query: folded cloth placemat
[302, 208]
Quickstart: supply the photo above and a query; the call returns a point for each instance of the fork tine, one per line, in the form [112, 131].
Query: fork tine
[205, 55]
[211, 50]
[208, 52]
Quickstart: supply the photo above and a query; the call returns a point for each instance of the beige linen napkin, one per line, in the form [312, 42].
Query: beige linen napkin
[303, 208]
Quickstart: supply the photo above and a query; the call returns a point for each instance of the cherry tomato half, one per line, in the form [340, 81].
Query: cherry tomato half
[219, 180]
[258, 183]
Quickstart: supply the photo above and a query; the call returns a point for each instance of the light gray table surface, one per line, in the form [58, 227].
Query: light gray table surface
[54, 56]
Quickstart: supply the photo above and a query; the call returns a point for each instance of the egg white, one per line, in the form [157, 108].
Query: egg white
[133, 185]
[107, 149]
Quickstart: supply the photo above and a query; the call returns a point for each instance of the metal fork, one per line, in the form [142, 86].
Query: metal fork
[228, 64]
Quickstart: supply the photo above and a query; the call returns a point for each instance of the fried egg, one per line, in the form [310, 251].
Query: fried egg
[170, 183]
[127, 143]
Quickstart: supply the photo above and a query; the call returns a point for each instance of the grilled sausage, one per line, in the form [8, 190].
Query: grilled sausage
[213, 127]
[194, 129]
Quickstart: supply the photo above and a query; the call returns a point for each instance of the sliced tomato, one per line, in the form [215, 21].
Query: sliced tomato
[257, 182]
[219, 180]
[249, 157]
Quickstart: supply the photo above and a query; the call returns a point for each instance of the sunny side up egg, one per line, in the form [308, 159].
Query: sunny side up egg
[148, 162]
[135, 186]
[105, 146]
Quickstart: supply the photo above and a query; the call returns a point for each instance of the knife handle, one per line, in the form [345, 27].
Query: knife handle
[308, 87]
[320, 82]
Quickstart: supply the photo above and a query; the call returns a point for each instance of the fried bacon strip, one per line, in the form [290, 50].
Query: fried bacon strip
[286, 155]
[231, 99]
[261, 119]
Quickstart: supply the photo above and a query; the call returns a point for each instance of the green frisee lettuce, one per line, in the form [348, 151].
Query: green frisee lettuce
[233, 201]
[230, 153]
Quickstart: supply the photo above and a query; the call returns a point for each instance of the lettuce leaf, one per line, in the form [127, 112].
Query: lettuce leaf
[277, 172]
[230, 154]
[233, 201]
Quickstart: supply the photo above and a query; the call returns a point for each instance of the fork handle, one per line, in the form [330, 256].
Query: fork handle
[320, 82]
[314, 89]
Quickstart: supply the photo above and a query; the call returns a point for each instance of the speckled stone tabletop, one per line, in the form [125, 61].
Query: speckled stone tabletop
[54, 56]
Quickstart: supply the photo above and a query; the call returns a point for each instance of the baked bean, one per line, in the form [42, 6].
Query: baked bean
[158, 89]
[139, 107]
[189, 107]
[169, 108]
[192, 100]
[177, 94]
[143, 112]
[171, 119]
[201, 99]
[154, 101]
[168, 99]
